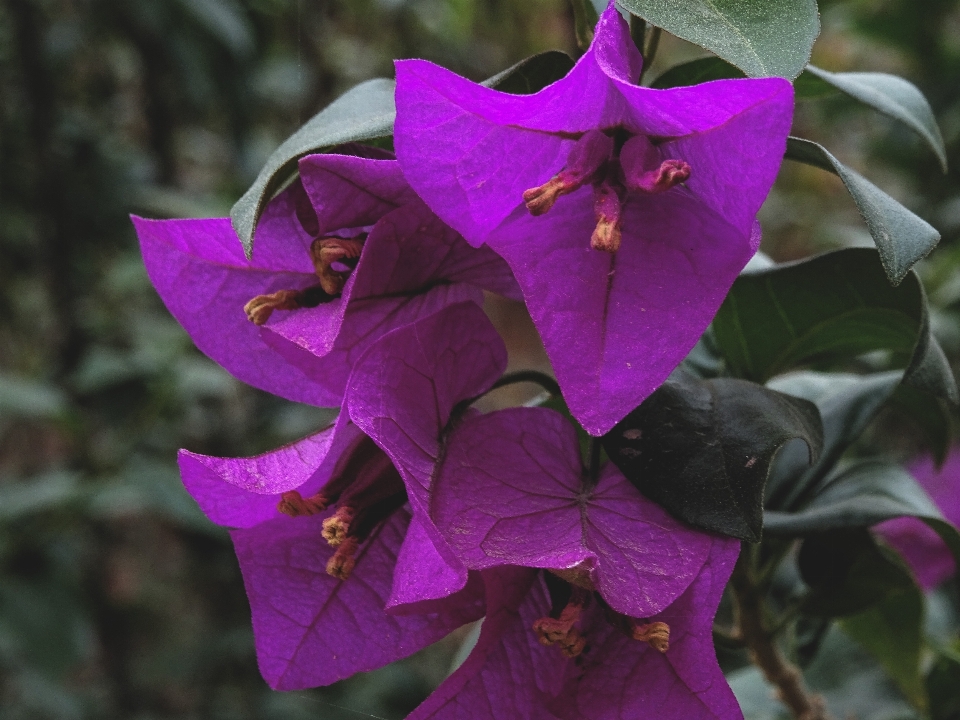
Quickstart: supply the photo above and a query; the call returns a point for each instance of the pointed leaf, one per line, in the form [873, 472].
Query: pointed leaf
[847, 404]
[532, 74]
[902, 237]
[697, 71]
[830, 308]
[892, 96]
[762, 37]
[362, 113]
[861, 496]
[702, 449]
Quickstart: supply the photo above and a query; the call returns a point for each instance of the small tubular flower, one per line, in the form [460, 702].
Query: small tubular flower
[624, 212]
[342, 256]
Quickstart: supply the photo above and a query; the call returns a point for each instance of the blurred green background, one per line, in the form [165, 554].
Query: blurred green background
[117, 598]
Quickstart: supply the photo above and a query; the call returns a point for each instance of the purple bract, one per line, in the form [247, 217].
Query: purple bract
[359, 541]
[624, 212]
[381, 257]
[924, 550]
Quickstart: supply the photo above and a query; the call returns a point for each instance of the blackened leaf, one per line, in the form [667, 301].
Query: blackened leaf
[893, 96]
[847, 404]
[829, 309]
[696, 71]
[762, 37]
[532, 74]
[702, 448]
[902, 237]
[362, 113]
[931, 417]
[861, 496]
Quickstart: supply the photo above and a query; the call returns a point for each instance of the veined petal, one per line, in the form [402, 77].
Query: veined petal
[312, 629]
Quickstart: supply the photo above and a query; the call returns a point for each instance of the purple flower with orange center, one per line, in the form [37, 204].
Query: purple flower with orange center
[624, 212]
[342, 256]
[342, 566]
[599, 604]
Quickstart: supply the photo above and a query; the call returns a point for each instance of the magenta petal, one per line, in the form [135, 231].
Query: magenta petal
[924, 550]
[352, 192]
[615, 326]
[403, 389]
[200, 272]
[241, 492]
[422, 576]
[622, 678]
[508, 674]
[510, 493]
[311, 629]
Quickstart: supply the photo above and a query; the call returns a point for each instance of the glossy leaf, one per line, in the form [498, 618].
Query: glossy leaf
[702, 449]
[893, 96]
[532, 74]
[362, 113]
[828, 309]
[697, 71]
[847, 404]
[902, 237]
[862, 496]
[762, 37]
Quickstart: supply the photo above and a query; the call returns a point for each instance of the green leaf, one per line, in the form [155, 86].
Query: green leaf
[893, 96]
[942, 683]
[695, 72]
[930, 416]
[847, 404]
[762, 37]
[892, 631]
[863, 495]
[848, 572]
[702, 448]
[362, 113]
[532, 74]
[20, 397]
[902, 237]
[584, 21]
[830, 309]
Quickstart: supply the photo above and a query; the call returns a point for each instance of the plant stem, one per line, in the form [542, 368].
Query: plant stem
[765, 652]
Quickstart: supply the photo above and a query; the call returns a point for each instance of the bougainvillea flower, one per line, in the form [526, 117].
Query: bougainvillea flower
[342, 256]
[615, 675]
[624, 212]
[512, 490]
[323, 527]
[924, 550]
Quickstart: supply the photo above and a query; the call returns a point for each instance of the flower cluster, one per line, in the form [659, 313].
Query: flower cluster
[620, 215]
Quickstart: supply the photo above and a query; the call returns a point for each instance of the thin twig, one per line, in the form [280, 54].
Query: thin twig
[765, 652]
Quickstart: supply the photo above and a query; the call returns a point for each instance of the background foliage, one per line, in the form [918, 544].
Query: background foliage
[117, 598]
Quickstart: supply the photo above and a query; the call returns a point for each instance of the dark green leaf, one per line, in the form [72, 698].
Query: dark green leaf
[695, 72]
[365, 113]
[902, 237]
[930, 416]
[362, 113]
[762, 37]
[702, 448]
[892, 96]
[892, 631]
[584, 21]
[847, 404]
[532, 74]
[942, 683]
[828, 309]
[848, 572]
[861, 496]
